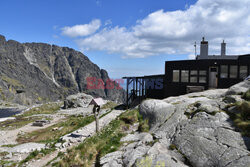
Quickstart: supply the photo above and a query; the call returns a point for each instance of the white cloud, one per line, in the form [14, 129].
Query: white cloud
[191, 56]
[175, 32]
[82, 30]
[108, 22]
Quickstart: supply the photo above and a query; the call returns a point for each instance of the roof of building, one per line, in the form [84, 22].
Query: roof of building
[97, 101]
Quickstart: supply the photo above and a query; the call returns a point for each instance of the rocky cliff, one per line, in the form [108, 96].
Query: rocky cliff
[38, 72]
[205, 129]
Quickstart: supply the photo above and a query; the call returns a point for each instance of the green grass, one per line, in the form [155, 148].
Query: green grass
[32, 155]
[191, 114]
[52, 137]
[143, 123]
[20, 121]
[246, 95]
[38, 154]
[48, 108]
[4, 163]
[2, 154]
[12, 81]
[3, 97]
[106, 141]
[28, 116]
[242, 119]
[109, 105]
[47, 135]
[173, 147]
[9, 145]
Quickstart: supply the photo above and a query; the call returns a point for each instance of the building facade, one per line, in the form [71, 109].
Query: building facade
[205, 72]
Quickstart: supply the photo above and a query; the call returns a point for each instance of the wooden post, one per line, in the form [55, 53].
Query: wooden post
[96, 111]
[143, 88]
[136, 80]
[140, 89]
[133, 88]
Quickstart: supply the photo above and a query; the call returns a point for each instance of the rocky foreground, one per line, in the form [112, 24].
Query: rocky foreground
[189, 130]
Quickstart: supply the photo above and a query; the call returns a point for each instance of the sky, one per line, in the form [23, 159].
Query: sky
[130, 37]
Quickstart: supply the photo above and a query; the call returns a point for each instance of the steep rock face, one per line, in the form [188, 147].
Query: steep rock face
[36, 72]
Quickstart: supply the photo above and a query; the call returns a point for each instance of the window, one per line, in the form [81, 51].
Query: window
[202, 79]
[193, 79]
[233, 71]
[223, 71]
[202, 76]
[193, 76]
[243, 72]
[176, 76]
[193, 72]
[184, 75]
[203, 72]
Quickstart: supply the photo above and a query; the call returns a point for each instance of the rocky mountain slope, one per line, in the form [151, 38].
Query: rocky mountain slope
[38, 72]
[204, 129]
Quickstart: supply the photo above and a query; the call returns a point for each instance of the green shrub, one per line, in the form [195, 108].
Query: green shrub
[172, 147]
[246, 95]
[245, 110]
[129, 117]
[143, 126]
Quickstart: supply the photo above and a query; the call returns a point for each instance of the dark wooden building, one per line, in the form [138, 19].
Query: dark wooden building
[208, 73]
[184, 76]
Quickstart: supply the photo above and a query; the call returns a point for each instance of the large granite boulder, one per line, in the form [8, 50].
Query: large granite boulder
[156, 111]
[77, 100]
[239, 88]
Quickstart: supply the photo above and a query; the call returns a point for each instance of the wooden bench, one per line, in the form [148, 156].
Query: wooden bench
[191, 89]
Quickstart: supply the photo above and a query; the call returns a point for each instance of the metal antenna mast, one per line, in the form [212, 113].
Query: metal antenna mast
[195, 49]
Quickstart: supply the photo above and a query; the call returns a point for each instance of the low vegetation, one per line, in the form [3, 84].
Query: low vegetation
[48, 108]
[106, 141]
[109, 105]
[20, 121]
[11, 81]
[246, 95]
[51, 136]
[7, 163]
[37, 155]
[30, 116]
[241, 119]
[53, 133]
[193, 112]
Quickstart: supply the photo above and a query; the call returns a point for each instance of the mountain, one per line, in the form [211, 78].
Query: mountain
[38, 72]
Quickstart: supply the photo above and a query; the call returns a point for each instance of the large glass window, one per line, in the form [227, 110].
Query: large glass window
[223, 71]
[184, 75]
[176, 76]
[203, 72]
[193, 72]
[193, 76]
[202, 76]
[233, 71]
[243, 72]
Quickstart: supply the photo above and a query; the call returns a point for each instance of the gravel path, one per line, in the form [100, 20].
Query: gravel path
[76, 137]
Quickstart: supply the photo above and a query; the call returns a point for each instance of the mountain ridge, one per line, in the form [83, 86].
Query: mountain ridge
[37, 72]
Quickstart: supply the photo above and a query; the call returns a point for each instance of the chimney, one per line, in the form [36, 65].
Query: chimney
[204, 49]
[223, 49]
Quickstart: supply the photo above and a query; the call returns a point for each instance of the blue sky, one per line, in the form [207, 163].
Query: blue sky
[129, 37]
